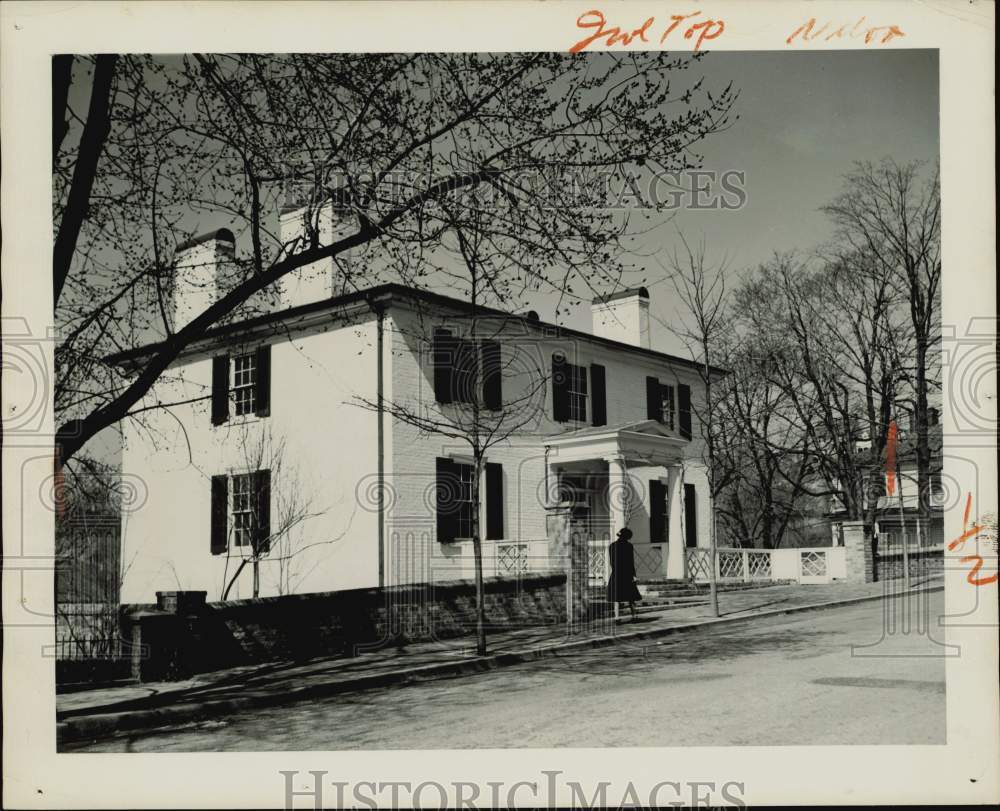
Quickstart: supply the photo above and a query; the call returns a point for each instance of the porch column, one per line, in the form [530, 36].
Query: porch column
[619, 493]
[676, 557]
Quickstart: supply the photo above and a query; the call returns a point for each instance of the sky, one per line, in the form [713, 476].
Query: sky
[804, 118]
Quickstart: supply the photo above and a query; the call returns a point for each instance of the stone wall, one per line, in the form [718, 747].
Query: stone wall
[180, 637]
[922, 563]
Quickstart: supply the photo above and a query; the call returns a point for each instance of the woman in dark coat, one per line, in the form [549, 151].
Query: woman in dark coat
[621, 584]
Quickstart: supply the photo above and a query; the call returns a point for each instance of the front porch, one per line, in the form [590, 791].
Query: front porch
[631, 475]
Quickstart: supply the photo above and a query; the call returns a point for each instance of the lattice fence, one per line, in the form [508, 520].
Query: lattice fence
[648, 561]
[698, 564]
[512, 558]
[813, 563]
[759, 565]
[730, 565]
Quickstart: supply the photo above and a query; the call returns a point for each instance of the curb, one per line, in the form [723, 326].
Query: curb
[98, 725]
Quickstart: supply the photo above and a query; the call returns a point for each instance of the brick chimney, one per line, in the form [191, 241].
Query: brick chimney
[623, 316]
[202, 266]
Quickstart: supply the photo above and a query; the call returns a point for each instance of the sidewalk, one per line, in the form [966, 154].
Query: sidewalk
[104, 711]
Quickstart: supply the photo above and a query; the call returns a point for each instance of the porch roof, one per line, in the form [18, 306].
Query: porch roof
[639, 443]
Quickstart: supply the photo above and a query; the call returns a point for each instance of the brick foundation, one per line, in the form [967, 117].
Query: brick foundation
[303, 626]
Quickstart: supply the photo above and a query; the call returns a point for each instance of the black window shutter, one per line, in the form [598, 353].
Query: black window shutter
[598, 395]
[262, 489]
[684, 410]
[690, 516]
[560, 387]
[220, 514]
[220, 389]
[464, 371]
[657, 509]
[494, 501]
[492, 375]
[446, 488]
[263, 382]
[654, 400]
[442, 357]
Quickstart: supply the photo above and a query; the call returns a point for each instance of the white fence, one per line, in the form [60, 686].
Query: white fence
[812, 565]
[512, 558]
[500, 559]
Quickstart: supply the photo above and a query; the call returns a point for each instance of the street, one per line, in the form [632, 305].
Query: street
[783, 681]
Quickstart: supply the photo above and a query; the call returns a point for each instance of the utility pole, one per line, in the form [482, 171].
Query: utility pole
[902, 528]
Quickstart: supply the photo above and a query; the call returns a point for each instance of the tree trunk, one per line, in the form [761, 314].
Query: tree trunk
[477, 452]
[713, 586]
[236, 574]
[95, 132]
[477, 552]
[923, 439]
[256, 578]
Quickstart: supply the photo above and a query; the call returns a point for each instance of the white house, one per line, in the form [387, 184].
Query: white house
[277, 420]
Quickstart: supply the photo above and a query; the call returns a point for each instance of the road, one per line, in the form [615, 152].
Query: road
[784, 681]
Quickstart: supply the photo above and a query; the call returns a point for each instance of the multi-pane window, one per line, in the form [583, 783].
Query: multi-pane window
[244, 384]
[667, 400]
[464, 500]
[577, 390]
[244, 520]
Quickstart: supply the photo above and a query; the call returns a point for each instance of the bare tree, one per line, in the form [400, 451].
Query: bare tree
[891, 213]
[200, 141]
[701, 288]
[763, 464]
[825, 337]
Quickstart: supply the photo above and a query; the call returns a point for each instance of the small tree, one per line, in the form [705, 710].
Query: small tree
[279, 506]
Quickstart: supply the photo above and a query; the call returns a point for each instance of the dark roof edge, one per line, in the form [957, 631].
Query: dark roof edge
[390, 290]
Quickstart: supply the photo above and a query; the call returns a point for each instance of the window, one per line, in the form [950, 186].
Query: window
[690, 516]
[667, 405]
[577, 376]
[241, 383]
[464, 500]
[454, 360]
[569, 389]
[244, 384]
[244, 514]
[241, 512]
[454, 500]
[659, 521]
[662, 406]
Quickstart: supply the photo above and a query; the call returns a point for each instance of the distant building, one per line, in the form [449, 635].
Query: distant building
[892, 522]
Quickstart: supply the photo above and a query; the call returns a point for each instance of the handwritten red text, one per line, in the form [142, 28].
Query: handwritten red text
[877, 34]
[700, 30]
[976, 560]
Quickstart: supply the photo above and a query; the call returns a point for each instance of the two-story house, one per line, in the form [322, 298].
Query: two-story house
[282, 433]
